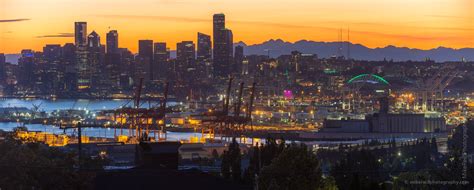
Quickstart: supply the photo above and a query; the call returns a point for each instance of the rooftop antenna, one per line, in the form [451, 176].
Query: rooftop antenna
[348, 45]
[339, 50]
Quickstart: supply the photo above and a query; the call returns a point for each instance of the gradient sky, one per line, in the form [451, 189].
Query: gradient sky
[420, 24]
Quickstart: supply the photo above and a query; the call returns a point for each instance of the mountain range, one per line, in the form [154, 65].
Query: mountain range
[278, 47]
[275, 48]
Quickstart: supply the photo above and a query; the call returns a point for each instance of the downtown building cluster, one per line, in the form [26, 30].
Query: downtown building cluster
[89, 68]
[291, 88]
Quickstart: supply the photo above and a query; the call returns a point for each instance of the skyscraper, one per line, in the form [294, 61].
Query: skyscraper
[69, 78]
[68, 52]
[204, 55]
[2, 68]
[204, 49]
[219, 23]
[222, 43]
[238, 58]
[95, 57]
[229, 40]
[186, 53]
[3, 59]
[93, 40]
[83, 70]
[145, 53]
[112, 41]
[295, 61]
[80, 33]
[26, 64]
[161, 56]
[52, 52]
[112, 62]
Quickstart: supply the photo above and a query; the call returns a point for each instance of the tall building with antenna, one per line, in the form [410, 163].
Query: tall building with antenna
[339, 44]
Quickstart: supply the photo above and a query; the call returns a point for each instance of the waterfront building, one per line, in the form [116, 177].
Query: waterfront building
[346, 125]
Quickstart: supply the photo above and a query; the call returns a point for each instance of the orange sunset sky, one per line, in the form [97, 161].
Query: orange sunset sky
[425, 24]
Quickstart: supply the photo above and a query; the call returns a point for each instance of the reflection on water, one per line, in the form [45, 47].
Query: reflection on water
[61, 104]
[50, 105]
[110, 132]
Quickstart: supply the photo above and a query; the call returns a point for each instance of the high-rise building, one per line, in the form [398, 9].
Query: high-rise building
[3, 73]
[93, 40]
[112, 63]
[204, 55]
[145, 53]
[238, 58]
[218, 23]
[83, 70]
[112, 41]
[161, 56]
[52, 52]
[295, 61]
[186, 53]
[80, 33]
[95, 57]
[204, 48]
[145, 48]
[111, 71]
[245, 67]
[26, 64]
[222, 43]
[3, 59]
[68, 76]
[68, 52]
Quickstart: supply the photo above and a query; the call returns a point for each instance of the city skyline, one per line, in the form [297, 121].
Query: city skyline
[248, 94]
[373, 26]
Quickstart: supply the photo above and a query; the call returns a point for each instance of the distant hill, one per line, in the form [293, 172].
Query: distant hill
[357, 51]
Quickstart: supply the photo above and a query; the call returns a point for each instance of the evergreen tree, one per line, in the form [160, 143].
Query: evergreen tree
[295, 168]
[231, 162]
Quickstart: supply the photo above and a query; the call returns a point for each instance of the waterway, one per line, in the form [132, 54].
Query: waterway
[97, 105]
[93, 105]
[92, 132]
[62, 104]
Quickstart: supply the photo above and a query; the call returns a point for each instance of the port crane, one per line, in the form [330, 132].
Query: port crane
[141, 122]
[225, 122]
[431, 90]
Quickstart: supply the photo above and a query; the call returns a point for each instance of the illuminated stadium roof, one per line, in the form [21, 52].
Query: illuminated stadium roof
[370, 78]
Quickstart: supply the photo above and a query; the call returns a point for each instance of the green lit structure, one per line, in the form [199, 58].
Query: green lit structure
[368, 78]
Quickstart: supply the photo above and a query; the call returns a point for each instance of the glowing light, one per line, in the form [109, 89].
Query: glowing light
[378, 78]
[288, 94]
